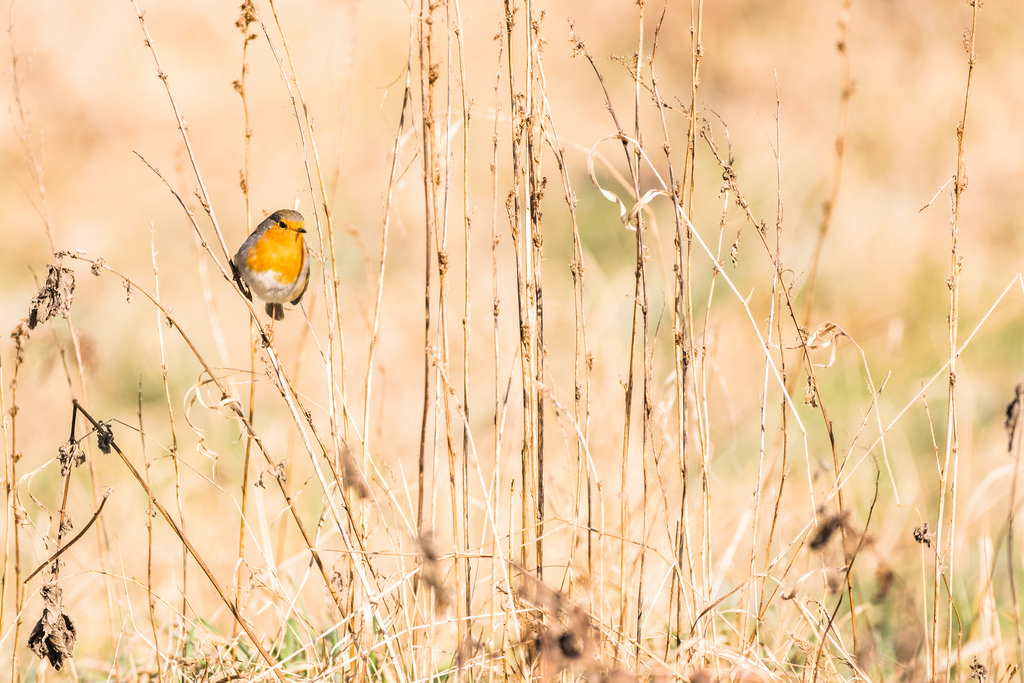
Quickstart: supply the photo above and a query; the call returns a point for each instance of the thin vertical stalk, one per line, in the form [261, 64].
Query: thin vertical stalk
[102, 541]
[1011, 515]
[680, 329]
[522, 219]
[246, 18]
[429, 225]
[645, 352]
[315, 180]
[683, 312]
[537, 182]
[467, 224]
[12, 529]
[150, 513]
[498, 422]
[945, 540]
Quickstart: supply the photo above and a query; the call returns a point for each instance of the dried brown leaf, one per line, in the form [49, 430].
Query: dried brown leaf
[55, 297]
[53, 636]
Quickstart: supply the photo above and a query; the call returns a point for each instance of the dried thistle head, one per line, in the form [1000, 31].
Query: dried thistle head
[104, 437]
[69, 455]
[923, 535]
[20, 336]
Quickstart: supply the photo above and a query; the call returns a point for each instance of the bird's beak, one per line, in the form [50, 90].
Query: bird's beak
[301, 230]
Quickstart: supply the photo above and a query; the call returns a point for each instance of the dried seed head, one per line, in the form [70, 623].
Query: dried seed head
[104, 437]
[922, 535]
[69, 455]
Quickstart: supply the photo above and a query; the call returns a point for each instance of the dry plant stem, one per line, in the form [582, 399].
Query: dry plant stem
[354, 541]
[434, 226]
[776, 315]
[946, 537]
[385, 231]
[247, 17]
[467, 224]
[641, 303]
[1011, 515]
[314, 174]
[535, 256]
[388, 207]
[12, 530]
[437, 180]
[246, 461]
[244, 21]
[680, 332]
[513, 209]
[524, 224]
[639, 312]
[339, 422]
[848, 570]
[778, 378]
[62, 547]
[150, 513]
[283, 380]
[503, 562]
[805, 351]
[24, 129]
[498, 423]
[188, 544]
[581, 354]
[845, 93]
[62, 519]
[425, 84]
[287, 393]
[684, 311]
[703, 415]
[170, 420]
[203, 195]
[919, 396]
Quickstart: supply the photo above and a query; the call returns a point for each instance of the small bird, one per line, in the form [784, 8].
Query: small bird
[273, 262]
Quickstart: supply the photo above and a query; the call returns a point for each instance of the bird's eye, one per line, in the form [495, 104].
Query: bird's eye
[283, 224]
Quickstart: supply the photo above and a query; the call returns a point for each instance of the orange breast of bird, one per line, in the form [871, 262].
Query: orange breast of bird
[279, 250]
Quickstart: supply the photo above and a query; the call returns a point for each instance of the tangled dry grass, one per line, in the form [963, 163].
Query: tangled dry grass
[645, 341]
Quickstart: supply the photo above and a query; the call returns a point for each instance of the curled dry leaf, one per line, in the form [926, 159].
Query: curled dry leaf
[824, 335]
[826, 528]
[53, 636]
[55, 296]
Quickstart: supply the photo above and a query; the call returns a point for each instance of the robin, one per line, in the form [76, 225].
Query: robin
[273, 262]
